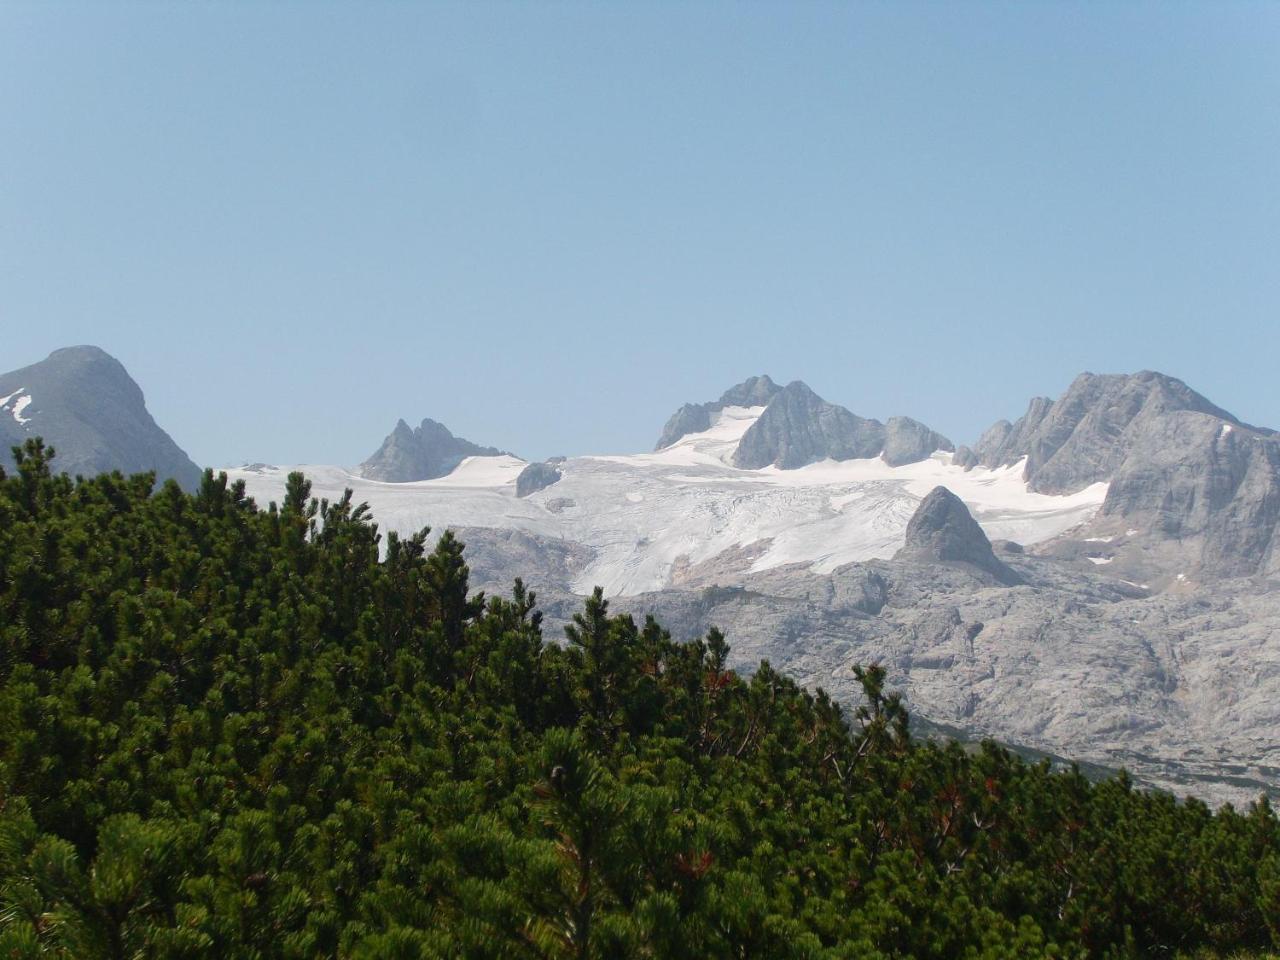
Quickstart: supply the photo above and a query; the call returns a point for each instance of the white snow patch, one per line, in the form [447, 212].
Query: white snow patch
[1226, 429]
[21, 403]
[1099, 561]
[472, 472]
[1130, 532]
[715, 445]
[482, 472]
[1098, 539]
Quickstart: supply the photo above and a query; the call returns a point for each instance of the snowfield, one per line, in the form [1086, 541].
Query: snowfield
[645, 515]
[17, 406]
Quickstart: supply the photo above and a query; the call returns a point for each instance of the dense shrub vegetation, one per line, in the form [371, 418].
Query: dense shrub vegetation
[229, 732]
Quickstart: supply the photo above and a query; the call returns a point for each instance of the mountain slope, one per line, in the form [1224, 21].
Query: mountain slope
[1193, 491]
[1195, 496]
[698, 417]
[84, 404]
[1084, 436]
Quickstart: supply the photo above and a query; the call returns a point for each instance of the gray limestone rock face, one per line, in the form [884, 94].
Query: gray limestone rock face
[943, 531]
[424, 453]
[691, 418]
[965, 457]
[697, 417]
[1192, 491]
[535, 477]
[752, 392]
[910, 441]
[992, 442]
[1085, 435]
[1205, 489]
[84, 404]
[798, 427]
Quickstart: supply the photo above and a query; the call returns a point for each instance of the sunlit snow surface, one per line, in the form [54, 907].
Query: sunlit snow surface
[642, 513]
[19, 404]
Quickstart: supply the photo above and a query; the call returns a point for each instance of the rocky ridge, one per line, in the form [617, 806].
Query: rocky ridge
[84, 404]
[1085, 435]
[1193, 491]
[423, 453]
[697, 417]
[798, 427]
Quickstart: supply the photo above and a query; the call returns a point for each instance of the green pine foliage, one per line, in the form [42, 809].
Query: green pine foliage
[228, 732]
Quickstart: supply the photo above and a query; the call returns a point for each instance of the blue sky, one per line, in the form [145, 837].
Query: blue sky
[547, 225]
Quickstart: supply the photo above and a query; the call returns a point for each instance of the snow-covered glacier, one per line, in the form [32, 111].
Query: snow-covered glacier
[643, 516]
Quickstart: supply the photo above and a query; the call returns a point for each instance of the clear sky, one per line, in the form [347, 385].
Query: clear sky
[547, 225]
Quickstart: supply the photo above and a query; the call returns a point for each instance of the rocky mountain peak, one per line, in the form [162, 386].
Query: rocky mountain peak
[423, 453]
[1190, 486]
[83, 403]
[752, 392]
[910, 441]
[1084, 436]
[798, 427]
[942, 530]
[697, 417]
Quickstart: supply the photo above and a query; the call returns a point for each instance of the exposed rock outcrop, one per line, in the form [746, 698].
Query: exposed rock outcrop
[1202, 489]
[538, 476]
[1192, 489]
[910, 441]
[965, 457]
[424, 453]
[1084, 436]
[697, 417]
[943, 531]
[798, 427]
[751, 392]
[690, 418]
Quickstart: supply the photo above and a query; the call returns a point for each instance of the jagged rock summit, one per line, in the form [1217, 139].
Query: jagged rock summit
[84, 404]
[798, 427]
[1192, 489]
[697, 417]
[1084, 436]
[942, 530]
[423, 453]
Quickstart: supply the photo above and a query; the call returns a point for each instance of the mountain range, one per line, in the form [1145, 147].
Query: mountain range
[1098, 579]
